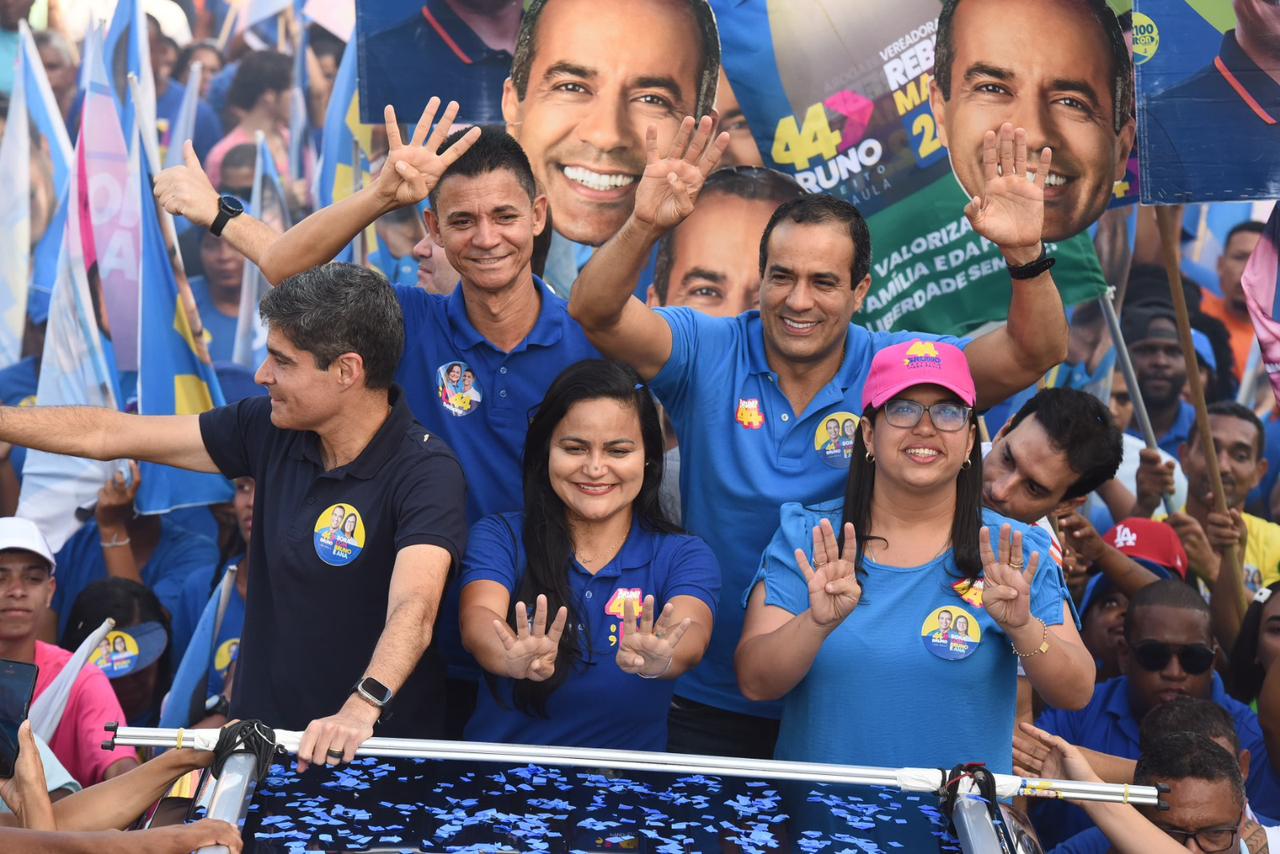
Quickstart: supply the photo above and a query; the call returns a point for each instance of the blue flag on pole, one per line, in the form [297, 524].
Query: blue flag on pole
[340, 174]
[15, 221]
[172, 379]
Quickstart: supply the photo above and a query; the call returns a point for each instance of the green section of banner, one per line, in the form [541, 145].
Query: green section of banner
[1219, 13]
[950, 279]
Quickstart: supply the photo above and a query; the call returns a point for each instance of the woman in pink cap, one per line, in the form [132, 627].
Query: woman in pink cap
[857, 632]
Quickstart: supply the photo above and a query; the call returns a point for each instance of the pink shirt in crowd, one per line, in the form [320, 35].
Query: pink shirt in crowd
[78, 740]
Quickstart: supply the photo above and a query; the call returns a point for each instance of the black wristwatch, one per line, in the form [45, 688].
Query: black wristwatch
[217, 705]
[1034, 268]
[229, 207]
[373, 691]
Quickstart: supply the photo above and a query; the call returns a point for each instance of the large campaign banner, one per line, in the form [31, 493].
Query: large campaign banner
[1208, 107]
[460, 50]
[877, 103]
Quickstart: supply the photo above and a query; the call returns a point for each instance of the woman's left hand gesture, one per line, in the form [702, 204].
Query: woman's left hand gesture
[1006, 587]
[646, 648]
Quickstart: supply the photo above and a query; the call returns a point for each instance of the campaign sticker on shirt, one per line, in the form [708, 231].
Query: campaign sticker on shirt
[951, 633]
[225, 654]
[339, 535]
[123, 652]
[457, 389]
[834, 439]
[748, 414]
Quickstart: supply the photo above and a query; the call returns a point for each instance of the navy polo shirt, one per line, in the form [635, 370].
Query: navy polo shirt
[483, 419]
[598, 705]
[1179, 433]
[1216, 135]
[323, 551]
[744, 451]
[1108, 725]
[434, 52]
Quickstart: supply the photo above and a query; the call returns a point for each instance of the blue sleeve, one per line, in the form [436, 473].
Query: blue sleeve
[1060, 722]
[1049, 589]
[493, 553]
[207, 132]
[1263, 785]
[185, 553]
[697, 340]
[880, 340]
[784, 583]
[692, 570]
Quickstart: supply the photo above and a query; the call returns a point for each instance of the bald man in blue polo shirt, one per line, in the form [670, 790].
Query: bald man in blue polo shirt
[751, 396]
[475, 362]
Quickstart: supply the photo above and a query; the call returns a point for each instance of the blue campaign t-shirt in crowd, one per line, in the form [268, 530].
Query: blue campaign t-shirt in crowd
[918, 642]
[1108, 725]
[220, 328]
[178, 554]
[208, 129]
[479, 400]
[200, 585]
[598, 705]
[744, 451]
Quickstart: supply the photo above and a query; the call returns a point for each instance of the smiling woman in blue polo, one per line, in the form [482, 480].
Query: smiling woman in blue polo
[584, 608]
[909, 627]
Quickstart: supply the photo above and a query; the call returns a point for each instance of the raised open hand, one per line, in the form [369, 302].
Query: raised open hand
[1008, 209]
[1037, 753]
[1006, 587]
[647, 647]
[531, 649]
[412, 171]
[833, 586]
[672, 179]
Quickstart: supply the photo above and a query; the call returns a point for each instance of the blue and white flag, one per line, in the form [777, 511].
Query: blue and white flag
[184, 126]
[172, 378]
[341, 170]
[300, 150]
[15, 221]
[267, 203]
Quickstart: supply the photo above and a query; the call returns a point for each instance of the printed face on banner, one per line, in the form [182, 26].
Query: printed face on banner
[600, 75]
[1003, 68]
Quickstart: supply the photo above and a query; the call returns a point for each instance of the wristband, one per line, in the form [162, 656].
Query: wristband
[1034, 268]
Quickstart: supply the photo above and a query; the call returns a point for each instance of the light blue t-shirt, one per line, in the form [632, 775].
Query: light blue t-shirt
[743, 452]
[918, 675]
[599, 705]
[221, 328]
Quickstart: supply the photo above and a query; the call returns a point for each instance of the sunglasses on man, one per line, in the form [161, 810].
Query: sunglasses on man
[1154, 656]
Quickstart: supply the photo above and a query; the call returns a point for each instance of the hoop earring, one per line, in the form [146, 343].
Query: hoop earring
[871, 458]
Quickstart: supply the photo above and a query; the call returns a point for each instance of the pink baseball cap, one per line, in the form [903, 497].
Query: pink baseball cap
[918, 362]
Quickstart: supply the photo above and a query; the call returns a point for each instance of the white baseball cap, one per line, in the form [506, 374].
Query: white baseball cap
[17, 533]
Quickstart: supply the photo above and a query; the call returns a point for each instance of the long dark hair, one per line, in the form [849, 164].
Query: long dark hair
[548, 545]
[1245, 675]
[964, 524]
[129, 604]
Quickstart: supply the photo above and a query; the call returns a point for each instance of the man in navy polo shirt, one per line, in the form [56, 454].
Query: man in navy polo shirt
[337, 619]
[751, 396]
[1167, 654]
[477, 362]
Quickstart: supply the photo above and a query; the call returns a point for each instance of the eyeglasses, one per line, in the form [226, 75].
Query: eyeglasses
[1211, 840]
[948, 417]
[1154, 656]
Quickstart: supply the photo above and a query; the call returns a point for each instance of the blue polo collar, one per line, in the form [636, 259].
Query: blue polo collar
[547, 331]
[758, 355]
[636, 553]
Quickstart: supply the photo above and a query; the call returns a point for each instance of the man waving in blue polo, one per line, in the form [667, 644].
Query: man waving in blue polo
[750, 396]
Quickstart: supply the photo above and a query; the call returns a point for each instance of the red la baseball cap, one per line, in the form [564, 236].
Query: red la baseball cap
[1151, 542]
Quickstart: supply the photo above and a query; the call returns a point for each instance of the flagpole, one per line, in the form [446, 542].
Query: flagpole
[1226, 622]
[170, 232]
[227, 23]
[1131, 379]
[361, 251]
